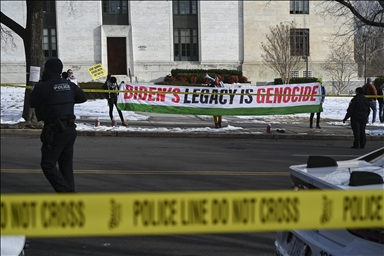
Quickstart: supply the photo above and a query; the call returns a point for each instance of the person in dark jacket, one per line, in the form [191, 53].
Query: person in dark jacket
[111, 85]
[358, 111]
[53, 99]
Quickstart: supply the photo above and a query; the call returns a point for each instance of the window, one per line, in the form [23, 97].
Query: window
[294, 73]
[185, 30]
[185, 44]
[309, 73]
[115, 12]
[49, 42]
[300, 42]
[49, 30]
[184, 7]
[299, 7]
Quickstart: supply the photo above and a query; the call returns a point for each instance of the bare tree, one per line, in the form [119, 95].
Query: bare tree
[341, 67]
[6, 37]
[369, 52]
[369, 45]
[278, 53]
[368, 39]
[373, 16]
[362, 22]
[32, 36]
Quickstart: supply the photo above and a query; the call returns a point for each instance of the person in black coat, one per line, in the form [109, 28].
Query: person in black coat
[53, 99]
[358, 111]
[112, 94]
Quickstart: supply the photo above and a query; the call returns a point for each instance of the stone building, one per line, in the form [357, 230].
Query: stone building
[143, 41]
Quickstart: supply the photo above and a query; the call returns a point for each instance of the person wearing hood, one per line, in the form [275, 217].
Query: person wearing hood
[112, 87]
[53, 98]
[358, 110]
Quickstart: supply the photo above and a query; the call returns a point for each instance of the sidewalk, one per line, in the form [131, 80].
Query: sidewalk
[167, 125]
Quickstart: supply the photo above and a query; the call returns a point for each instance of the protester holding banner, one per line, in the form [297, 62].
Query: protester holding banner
[111, 85]
[318, 113]
[217, 83]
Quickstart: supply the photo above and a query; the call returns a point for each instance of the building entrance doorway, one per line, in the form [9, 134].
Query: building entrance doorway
[117, 55]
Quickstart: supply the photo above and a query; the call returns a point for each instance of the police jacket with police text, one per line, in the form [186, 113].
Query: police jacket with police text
[55, 98]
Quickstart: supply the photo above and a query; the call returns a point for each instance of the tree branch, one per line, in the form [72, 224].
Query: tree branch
[358, 15]
[14, 26]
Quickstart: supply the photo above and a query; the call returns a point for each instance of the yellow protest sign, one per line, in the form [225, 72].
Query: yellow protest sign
[97, 71]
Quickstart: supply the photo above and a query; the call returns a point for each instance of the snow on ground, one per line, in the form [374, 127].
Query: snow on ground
[12, 100]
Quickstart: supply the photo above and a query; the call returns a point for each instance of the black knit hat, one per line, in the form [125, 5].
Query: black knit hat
[359, 90]
[54, 65]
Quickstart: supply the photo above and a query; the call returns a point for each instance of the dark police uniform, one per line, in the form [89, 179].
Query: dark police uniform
[358, 111]
[54, 101]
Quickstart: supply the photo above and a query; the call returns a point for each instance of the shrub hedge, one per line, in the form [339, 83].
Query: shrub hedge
[298, 80]
[211, 72]
[179, 83]
[195, 77]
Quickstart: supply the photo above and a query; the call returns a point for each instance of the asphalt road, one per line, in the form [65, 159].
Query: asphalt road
[112, 164]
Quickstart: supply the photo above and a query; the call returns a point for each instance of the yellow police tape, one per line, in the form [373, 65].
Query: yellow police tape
[160, 213]
[214, 93]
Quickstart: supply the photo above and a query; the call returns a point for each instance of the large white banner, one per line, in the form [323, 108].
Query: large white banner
[228, 100]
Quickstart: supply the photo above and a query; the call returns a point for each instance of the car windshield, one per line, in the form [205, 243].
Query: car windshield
[379, 161]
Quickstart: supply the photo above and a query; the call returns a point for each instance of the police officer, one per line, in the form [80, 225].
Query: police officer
[358, 111]
[53, 99]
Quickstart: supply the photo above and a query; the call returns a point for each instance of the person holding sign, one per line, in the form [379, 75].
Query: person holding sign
[318, 113]
[111, 85]
[217, 83]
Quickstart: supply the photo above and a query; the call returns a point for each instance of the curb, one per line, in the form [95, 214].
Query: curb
[231, 135]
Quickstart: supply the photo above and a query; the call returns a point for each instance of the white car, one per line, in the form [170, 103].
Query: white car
[323, 172]
[12, 245]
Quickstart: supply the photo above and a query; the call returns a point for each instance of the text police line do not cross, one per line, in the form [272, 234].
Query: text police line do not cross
[104, 214]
